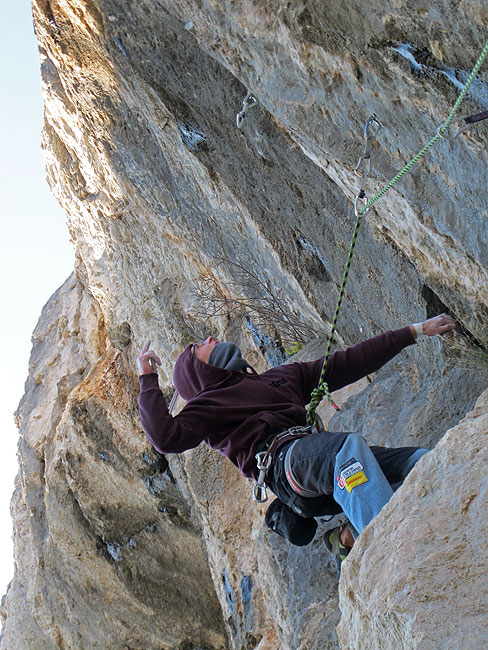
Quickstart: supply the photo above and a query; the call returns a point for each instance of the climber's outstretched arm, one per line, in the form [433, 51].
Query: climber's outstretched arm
[347, 366]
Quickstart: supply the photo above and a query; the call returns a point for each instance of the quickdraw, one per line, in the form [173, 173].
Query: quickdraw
[259, 492]
[371, 130]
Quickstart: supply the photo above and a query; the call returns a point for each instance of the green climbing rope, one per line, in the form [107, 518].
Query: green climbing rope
[322, 388]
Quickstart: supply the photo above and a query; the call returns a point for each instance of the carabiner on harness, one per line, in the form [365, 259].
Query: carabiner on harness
[259, 492]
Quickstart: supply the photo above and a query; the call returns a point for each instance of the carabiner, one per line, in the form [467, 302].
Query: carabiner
[452, 136]
[372, 119]
[360, 197]
[366, 157]
[259, 493]
[263, 460]
[249, 102]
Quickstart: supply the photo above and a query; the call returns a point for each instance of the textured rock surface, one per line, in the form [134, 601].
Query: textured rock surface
[106, 555]
[163, 194]
[435, 568]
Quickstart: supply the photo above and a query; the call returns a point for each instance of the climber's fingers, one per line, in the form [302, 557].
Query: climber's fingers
[147, 360]
[438, 325]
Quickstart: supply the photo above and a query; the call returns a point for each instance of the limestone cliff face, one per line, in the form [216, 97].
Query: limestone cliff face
[433, 567]
[167, 201]
[106, 553]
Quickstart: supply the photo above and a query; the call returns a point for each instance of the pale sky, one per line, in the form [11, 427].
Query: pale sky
[35, 254]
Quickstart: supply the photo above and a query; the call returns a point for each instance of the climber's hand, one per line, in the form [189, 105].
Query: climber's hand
[438, 325]
[147, 360]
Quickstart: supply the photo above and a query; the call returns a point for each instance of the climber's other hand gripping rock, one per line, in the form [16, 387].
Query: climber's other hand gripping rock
[147, 360]
[434, 326]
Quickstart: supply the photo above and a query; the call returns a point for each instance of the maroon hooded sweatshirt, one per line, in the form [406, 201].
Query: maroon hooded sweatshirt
[235, 413]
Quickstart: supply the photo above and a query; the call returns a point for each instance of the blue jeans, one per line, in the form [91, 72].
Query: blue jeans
[360, 486]
[361, 479]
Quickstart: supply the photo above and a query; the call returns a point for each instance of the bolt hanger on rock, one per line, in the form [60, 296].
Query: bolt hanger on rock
[467, 119]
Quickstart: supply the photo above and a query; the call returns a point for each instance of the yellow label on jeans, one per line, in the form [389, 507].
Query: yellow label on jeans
[355, 480]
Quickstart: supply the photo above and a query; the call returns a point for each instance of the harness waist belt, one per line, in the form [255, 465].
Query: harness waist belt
[272, 445]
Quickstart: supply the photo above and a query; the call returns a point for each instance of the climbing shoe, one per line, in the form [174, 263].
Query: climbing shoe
[335, 547]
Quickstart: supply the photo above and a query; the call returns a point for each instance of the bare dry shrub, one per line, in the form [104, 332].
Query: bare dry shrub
[250, 296]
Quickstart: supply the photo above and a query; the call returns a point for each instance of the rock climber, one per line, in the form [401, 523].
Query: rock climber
[241, 413]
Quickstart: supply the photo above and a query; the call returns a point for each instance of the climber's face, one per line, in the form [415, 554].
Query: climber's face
[203, 350]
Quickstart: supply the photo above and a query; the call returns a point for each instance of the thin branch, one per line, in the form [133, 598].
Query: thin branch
[249, 294]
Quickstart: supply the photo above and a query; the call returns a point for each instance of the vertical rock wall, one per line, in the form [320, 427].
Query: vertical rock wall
[166, 198]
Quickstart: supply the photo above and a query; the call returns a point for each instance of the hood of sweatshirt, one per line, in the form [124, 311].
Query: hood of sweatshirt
[192, 376]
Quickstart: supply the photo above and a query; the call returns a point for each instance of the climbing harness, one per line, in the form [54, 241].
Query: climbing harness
[322, 388]
[249, 102]
[468, 120]
[265, 457]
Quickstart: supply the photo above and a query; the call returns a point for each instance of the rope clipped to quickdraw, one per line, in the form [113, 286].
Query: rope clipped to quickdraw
[440, 131]
[371, 129]
[322, 388]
